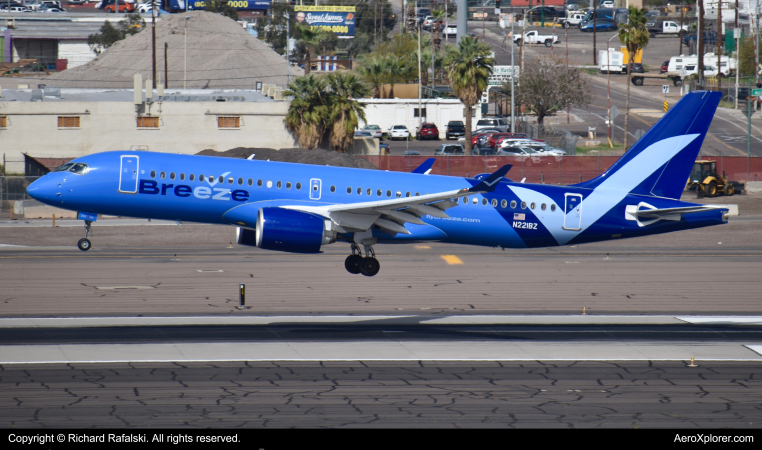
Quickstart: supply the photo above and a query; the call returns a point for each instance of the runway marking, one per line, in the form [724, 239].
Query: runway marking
[422, 247]
[451, 259]
[382, 350]
[210, 271]
[110, 288]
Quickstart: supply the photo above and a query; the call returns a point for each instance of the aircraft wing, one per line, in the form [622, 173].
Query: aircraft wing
[391, 215]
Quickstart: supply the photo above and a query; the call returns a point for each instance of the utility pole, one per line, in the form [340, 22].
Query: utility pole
[420, 88]
[700, 41]
[166, 67]
[595, 35]
[720, 41]
[288, 53]
[153, 39]
[566, 37]
[513, 77]
[680, 33]
[185, 69]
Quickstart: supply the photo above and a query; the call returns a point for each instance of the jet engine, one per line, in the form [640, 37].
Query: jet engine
[287, 230]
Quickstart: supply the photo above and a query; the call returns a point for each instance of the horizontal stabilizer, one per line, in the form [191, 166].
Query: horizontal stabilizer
[425, 167]
[651, 215]
[488, 184]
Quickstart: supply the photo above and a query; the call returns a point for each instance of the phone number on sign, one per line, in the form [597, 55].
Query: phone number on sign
[333, 29]
[233, 4]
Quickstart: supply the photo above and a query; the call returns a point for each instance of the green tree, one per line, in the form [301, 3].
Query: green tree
[747, 57]
[308, 112]
[310, 39]
[345, 111]
[109, 34]
[396, 70]
[634, 35]
[221, 7]
[373, 70]
[273, 30]
[469, 65]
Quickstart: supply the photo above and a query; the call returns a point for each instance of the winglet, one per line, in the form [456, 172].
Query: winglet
[488, 184]
[425, 167]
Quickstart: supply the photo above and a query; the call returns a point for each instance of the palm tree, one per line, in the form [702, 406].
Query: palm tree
[373, 70]
[309, 38]
[345, 111]
[634, 35]
[469, 66]
[308, 113]
[397, 70]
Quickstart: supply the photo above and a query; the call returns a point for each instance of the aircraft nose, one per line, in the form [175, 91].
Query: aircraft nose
[45, 190]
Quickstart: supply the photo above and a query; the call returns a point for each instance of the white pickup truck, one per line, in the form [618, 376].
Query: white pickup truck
[666, 27]
[573, 20]
[533, 37]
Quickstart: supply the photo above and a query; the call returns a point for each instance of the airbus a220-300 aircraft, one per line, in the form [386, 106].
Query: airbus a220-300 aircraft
[299, 208]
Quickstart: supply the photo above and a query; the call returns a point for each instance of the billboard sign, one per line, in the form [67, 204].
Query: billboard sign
[339, 20]
[237, 4]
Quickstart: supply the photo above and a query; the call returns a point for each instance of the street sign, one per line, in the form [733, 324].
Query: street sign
[485, 97]
[614, 112]
[756, 92]
[501, 74]
[683, 73]
[665, 89]
[759, 72]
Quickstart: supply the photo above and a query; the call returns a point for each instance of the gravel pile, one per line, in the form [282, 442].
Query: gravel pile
[297, 155]
[221, 55]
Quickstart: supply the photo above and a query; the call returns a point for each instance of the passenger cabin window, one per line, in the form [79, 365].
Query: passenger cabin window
[288, 185]
[68, 121]
[333, 188]
[229, 122]
[298, 186]
[182, 177]
[201, 178]
[191, 177]
[172, 176]
[148, 122]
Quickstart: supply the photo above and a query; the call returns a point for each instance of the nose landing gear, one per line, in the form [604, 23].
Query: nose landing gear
[355, 263]
[84, 244]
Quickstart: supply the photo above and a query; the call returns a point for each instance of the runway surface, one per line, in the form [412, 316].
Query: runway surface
[143, 331]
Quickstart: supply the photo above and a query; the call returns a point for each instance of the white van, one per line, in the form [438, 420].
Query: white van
[611, 61]
[677, 63]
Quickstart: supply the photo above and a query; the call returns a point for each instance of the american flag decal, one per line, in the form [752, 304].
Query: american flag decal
[517, 216]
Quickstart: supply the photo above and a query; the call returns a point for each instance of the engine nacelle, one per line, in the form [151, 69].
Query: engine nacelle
[287, 230]
[244, 236]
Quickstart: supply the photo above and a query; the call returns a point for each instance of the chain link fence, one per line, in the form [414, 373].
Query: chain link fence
[12, 189]
[562, 139]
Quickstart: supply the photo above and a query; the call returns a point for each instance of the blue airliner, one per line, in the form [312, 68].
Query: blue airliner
[299, 208]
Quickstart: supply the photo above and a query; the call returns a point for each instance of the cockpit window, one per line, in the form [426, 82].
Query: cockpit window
[79, 169]
[64, 168]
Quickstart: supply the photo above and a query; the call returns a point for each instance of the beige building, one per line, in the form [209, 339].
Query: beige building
[81, 122]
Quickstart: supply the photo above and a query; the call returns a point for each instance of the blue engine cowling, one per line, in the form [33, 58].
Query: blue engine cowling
[287, 230]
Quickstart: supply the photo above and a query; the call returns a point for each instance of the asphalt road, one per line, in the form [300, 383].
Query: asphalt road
[383, 395]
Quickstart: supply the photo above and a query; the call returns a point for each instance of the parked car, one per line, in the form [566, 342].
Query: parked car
[450, 150]
[122, 6]
[427, 131]
[384, 149]
[50, 8]
[375, 131]
[518, 151]
[363, 134]
[607, 4]
[494, 137]
[430, 22]
[399, 132]
[145, 8]
[709, 38]
[636, 68]
[455, 128]
[450, 30]
[548, 12]
[664, 66]
[497, 124]
[476, 135]
[411, 153]
[483, 151]
[600, 25]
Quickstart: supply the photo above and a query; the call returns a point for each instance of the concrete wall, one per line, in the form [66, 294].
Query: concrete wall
[76, 51]
[388, 112]
[185, 127]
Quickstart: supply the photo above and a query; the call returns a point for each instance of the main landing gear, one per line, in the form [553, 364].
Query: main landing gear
[84, 244]
[367, 266]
